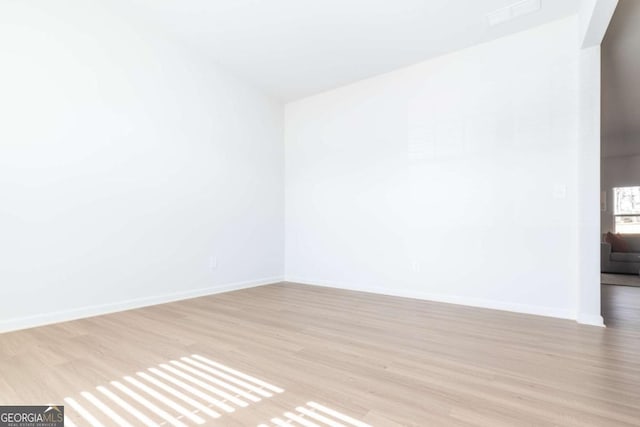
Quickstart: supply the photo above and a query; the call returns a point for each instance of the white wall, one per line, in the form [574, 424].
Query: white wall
[588, 217]
[617, 172]
[126, 163]
[452, 180]
[594, 17]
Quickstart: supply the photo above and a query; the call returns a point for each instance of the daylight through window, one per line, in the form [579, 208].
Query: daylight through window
[626, 210]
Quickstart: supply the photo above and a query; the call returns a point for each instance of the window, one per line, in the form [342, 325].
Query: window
[626, 210]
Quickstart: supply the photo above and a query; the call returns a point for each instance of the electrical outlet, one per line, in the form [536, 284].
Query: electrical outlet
[213, 262]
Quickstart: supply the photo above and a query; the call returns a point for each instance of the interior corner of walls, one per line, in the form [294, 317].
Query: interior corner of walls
[43, 319]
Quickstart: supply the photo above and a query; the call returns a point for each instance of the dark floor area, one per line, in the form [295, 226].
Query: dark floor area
[621, 306]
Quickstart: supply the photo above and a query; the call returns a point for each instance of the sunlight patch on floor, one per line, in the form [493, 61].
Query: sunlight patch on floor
[314, 415]
[179, 393]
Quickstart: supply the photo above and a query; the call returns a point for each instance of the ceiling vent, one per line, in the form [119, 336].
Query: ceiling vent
[513, 11]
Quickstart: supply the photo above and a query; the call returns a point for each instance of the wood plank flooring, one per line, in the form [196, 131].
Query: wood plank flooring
[621, 307]
[380, 361]
[620, 279]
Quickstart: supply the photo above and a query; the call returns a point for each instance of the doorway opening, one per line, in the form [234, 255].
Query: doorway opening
[620, 169]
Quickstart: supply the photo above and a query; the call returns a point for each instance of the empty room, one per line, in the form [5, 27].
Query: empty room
[330, 213]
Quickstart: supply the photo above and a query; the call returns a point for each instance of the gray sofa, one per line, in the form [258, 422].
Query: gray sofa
[621, 262]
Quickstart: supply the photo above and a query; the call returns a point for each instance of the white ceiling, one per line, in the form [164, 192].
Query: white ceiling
[621, 81]
[295, 48]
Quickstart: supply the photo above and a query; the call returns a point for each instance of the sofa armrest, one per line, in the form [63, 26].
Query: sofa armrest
[605, 256]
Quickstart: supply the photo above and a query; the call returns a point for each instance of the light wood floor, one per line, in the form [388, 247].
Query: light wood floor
[384, 361]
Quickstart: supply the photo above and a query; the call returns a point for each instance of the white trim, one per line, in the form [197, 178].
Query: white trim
[450, 299]
[96, 310]
[589, 319]
[595, 17]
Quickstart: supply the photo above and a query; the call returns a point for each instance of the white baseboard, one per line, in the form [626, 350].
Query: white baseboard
[96, 310]
[591, 319]
[450, 299]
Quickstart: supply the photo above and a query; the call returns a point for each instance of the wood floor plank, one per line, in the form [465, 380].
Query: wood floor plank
[382, 360]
